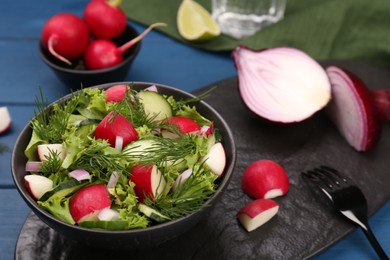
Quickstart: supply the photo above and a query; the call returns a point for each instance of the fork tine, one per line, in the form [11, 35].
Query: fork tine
[334, 174]
[317, 178]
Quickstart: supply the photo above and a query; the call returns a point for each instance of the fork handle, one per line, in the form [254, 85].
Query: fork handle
[374, 242]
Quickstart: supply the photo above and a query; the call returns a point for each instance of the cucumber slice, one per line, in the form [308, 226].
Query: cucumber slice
[155, 105]
[139, 148]
[152, 213]
[64, 189]
[107, 225]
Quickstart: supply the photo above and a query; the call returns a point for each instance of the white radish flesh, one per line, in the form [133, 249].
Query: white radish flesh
[257, 213]
[38, 185]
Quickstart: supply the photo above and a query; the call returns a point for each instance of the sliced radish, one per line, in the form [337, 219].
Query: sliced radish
[148, 181]
[183, 124]
[33, 166]
[86, 203]
[281, 84]
[108, 214]
[47, 150]
[113, 180]
[257, 213]
[116, 93]
[265, 179]
[79, 174]
[115, 125]
[215, 159]
[352, 110]
[5, 120]
[38, 185]
[181, 178]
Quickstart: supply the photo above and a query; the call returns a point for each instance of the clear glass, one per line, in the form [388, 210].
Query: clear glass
[243, 18]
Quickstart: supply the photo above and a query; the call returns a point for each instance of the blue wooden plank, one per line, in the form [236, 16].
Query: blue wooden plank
[13, 213]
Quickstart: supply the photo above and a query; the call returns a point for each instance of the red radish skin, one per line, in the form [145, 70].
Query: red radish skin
[352, 109]
[5, 120]
[116, 93]
[283, 84]
[257, 213]
[86, 203]
[265, 179]
[183, 124]
[66, 36]
[104, 20]
[148, 181]
[38, 185]
[114, 125]
[103, 53]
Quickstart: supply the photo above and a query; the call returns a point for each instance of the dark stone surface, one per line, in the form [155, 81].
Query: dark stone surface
[302, 228]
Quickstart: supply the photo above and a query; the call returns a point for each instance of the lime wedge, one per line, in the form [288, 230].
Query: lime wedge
[195, 23]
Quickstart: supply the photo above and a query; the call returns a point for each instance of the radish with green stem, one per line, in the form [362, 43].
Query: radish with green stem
[356, 111]
[103, 53]
[281, 84]
[66, 36]
[105, 19]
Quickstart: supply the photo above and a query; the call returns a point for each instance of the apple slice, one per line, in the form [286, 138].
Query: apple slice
[215, 159]
[265, 179]
[86, 203]
[115, 125]
[183, 124]
[38, 185]
[148, 181]
[256, 213]
[116, 93]
[46, 150]
[5, 120]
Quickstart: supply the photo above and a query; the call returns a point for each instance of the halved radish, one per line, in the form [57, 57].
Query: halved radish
[257, 213]
[215, 159]
[47, 150]
[116, 93]
[353, 109]
[114, 125]
[38, 185]
[183, 124]
[148, 181]
[281, 84]
[5, 120]
[86, 203]
[265, 179]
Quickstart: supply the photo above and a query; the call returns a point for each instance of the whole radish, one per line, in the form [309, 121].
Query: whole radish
[103, 53]
[105, 19]
[65, 36]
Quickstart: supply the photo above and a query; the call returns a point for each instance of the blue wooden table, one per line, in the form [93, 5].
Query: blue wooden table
[161, 60]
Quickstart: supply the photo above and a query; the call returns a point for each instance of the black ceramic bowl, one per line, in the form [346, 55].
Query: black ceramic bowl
[137, 238]
[76, 76]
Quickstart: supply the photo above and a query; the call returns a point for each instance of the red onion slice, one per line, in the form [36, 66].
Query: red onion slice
[79, 174]
[33, 166]
[119, 143]
[113, 180]
[281, 84]
[182, 178]
[152, 88]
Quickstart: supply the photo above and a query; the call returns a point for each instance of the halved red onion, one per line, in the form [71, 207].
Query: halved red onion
[113, 180]
[33, 166]
[79, 174]
[119, 143]
[281, 84]
[108, 214]
[381, 99]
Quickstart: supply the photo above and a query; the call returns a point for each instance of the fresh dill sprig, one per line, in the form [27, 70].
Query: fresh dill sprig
[50, 123]
[186, 199]
[133, 110]
[52, 164]
[183, 102]
[163, 150]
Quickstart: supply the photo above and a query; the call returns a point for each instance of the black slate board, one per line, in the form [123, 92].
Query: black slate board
[303, 226]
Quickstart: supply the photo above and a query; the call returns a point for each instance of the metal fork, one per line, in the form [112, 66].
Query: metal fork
[346, 198]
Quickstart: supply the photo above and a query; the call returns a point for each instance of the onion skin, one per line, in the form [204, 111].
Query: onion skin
[281, 84]
[352, 109]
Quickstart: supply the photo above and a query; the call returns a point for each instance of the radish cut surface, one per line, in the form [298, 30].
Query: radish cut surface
[281, 84]
[352, 110]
